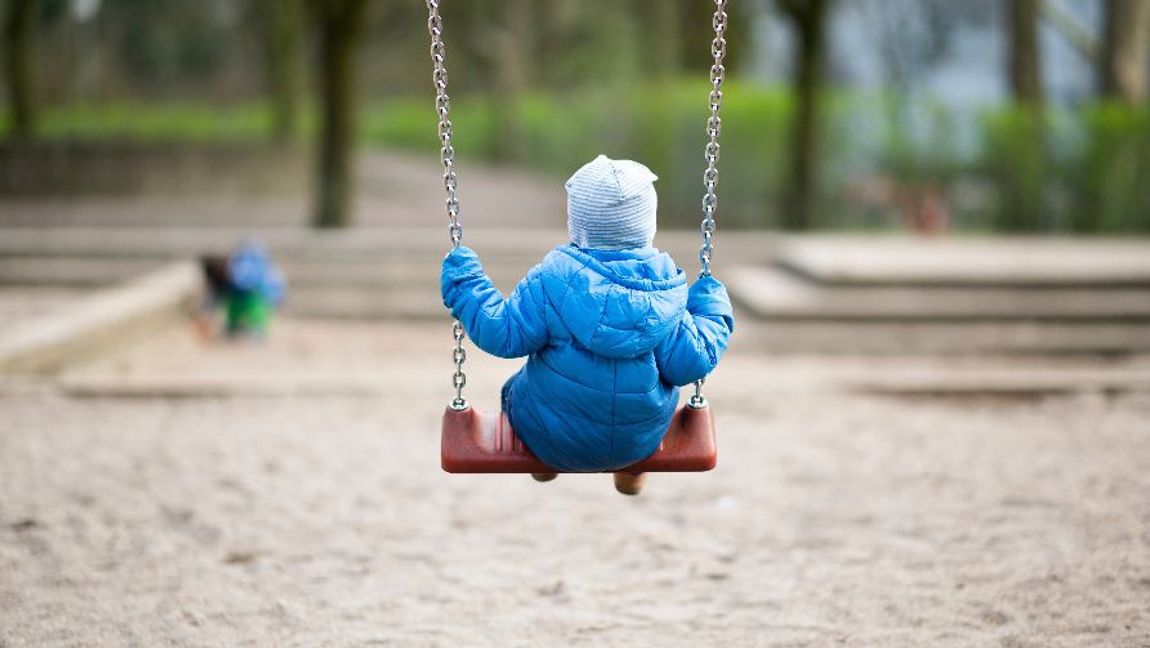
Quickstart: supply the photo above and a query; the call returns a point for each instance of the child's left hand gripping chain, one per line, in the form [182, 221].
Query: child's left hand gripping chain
[695, 346]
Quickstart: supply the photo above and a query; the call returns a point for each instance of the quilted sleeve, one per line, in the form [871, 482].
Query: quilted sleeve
[506, 327]
[694, 347]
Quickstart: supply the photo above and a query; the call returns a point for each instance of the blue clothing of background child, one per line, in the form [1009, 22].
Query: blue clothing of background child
[608, 323]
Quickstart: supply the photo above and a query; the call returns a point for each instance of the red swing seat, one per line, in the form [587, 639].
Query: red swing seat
[478, 442]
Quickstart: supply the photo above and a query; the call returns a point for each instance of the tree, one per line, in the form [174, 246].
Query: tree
[19, 65]
[1125, 50]
[279, 23]
[510, 45]
[665, 36]
[1025, 180]
[499, 44]
[339, 25]
[809, 20]
[1025, 56]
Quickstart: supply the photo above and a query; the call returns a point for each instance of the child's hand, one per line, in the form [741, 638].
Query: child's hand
[508, 327]
[460, 262]
[458, 256]
[459, 265]
[708, 297]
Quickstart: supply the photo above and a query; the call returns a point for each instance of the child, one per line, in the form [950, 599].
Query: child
[608, 323]
[247, 285]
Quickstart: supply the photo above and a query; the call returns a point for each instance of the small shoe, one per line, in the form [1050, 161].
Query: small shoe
[544, 477]
[630, 483]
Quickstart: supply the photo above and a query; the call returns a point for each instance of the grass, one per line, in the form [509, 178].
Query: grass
[179, 122]
[1090, 174]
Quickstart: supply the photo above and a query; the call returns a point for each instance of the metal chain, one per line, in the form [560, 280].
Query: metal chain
[447, 157]
[442, 107]
[711, 155]
[714, 126]
[459, 356]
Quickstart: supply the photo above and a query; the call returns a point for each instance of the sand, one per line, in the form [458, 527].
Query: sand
[320, 517]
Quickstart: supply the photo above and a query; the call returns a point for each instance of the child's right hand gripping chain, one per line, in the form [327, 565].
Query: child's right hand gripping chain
[505, 327]
[695, 346]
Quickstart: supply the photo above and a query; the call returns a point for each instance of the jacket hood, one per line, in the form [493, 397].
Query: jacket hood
[621, 303]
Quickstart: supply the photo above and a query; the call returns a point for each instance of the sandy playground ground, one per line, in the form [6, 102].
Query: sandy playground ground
[290, 508]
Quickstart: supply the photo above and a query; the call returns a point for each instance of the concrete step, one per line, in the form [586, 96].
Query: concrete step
[19, 304]
[72, 272]
[945, 338]
[362, 272]
[99, 320]
[353, 244]
[1000, 262]
[191, 242]
[787, 321]
[366, 303]
[776, 294]
[790, 336]
[1020, 382]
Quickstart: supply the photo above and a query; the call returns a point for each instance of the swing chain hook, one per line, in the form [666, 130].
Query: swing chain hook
[447, 157]
[698, 401]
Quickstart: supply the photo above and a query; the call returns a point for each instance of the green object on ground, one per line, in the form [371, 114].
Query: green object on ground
[247, 312]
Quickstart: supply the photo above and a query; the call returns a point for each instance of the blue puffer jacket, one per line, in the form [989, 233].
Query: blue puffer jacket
[610, 334]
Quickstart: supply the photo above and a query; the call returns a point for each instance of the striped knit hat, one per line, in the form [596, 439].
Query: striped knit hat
[611, 205]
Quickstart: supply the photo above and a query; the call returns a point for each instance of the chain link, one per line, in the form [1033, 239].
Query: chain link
[459, 356]
[447, 157]
[711, 152]
[442, 108]
[711, 155]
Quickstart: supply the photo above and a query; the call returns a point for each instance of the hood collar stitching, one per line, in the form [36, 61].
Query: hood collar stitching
[590, 262]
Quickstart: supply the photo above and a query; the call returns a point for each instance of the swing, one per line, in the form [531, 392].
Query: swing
[483, 442]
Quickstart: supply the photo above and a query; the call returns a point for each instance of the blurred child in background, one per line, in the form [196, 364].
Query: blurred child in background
[246, 287]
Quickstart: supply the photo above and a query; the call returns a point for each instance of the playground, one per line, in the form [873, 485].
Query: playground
[262, 269]
[156, 497]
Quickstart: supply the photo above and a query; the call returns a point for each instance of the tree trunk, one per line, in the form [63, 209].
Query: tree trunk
[339, 23]
[280, 24]
[666, 20]
[19, 65]
[511, 72]
[1125, 50]
[800, 196]
[1024, 183]
[1025, 57]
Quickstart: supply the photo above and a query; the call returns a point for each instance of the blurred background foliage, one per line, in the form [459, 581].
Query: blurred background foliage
[1050, 134]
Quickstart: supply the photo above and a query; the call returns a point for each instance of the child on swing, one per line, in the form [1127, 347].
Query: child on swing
[610, 328]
